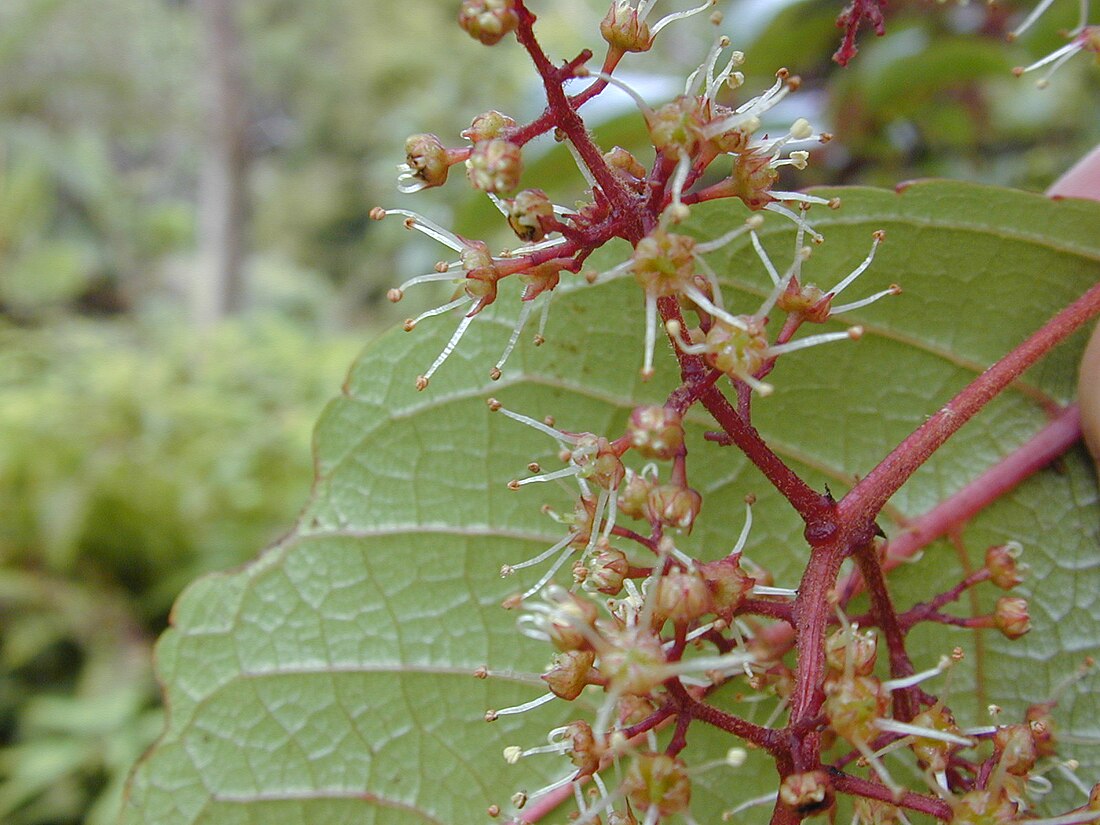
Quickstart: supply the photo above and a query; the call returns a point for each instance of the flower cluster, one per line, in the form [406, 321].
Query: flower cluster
[648, 634]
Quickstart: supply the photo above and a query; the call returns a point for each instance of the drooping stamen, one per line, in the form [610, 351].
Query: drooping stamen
[422, 380]
[800, 197]
[679, 15]
[517, 329]
[492, 715]
[852, 333]
[894, 289]
[767, 590]
[433, 277]
[679, 178]
[704, 303]
[410, 324]
[763, 256]
[727, 75]
[509, 569]
[894, 726]
[553, 786]
[751, 223]
[799, 221]
[706, 68]
[549, 574]
[564, 472]
[917, 678]
[859, 270]
[645, 108]
[564, 438]
[1036, 13]
[540, 336]
[755, 802]
[430, 228]
[650, 336]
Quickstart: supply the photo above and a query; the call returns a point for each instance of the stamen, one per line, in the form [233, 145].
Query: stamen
[894, 289]
[430, 228]
[564, 438]
[422, 380]
[917, 678]
[751, 223]
[801, 222]
[521, 321]
[727, 75]
[765, 590]
[852, 333]
[1036, 13]
[859, 270]
[589, 178]
[553, 786]
[763, 256]
[540, 336]
[894, 726]
[679, 15]
[548, 575]
[800, 197]
[679, 178]
[410, 324]
[794, 269]
[492, 715]
[755, 802]
[433, 277]
[509, 569]
[704, 303]
[564, 472]
[645, 108]
[650, 336]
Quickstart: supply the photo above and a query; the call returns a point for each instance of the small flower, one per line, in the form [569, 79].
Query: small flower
[494, 165]
[806, 792]
[427, 163]
[657, 781]
[1004, 569]
[488, 20]
[625, 29]
[1010, 616]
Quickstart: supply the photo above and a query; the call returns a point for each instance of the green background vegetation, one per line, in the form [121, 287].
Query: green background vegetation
[140, 448]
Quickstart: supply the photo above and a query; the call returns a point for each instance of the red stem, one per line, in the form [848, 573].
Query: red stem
[867, 498]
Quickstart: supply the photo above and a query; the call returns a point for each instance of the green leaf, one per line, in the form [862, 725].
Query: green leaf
[332, 681]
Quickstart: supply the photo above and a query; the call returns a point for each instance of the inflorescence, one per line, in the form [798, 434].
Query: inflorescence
[646, 631]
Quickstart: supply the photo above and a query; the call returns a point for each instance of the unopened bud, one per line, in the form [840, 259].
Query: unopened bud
[729, 585]
[682, 596]
[607, 570]
[571, 622]
[656, 780]
[622, 29]
[634, 494]
[1011, 617]
[655, 432]
[674, 506]
[848, 648]
[526, 212]
[1016, 747]
[488, 20]
[427, 159]
[568, 675]
[1004, 569]
[495, 166]
[487, 126]
[806, 792]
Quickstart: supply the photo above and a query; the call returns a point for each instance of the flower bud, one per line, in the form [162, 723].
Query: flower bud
[620, 160]
[622, 29]
[873, 812]
[568, 674]
[1011, 617]
[663, 262]
[983, 807]
[682, 596]
[427, 161]
[571, 623]
[1004, 570]
[634, 662]
[729, 585]
[1016, 748]
[806, 792]
[674, 506]
[934, 753]
[633, 494]
[847, 647]
[526, 212]
[1040, 722]
[656, 780]
[655, 432]
[676, 129]
[487, 126]
[495, 166]
[607, 570]
[853, 705]
[488, 20]
[584, 751]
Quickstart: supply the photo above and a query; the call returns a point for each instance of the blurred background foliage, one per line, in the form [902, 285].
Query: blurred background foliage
[143, 443]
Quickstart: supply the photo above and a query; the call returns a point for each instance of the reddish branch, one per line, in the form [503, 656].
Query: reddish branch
[851, 19]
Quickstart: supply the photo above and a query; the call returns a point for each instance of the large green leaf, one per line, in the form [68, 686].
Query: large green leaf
[332, 681]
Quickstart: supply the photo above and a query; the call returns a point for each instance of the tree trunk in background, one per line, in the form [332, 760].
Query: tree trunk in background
[218, 285]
